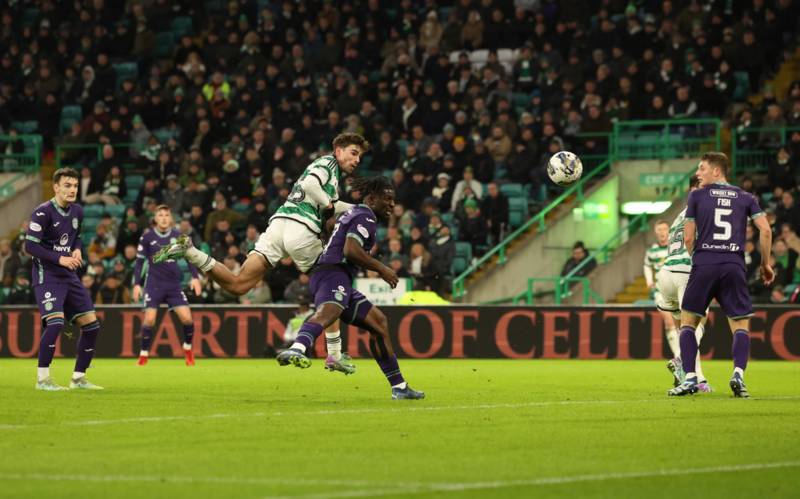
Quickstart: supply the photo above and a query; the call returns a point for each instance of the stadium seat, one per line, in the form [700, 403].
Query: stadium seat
[125, 70]
[131, 195]
[459, 265]
[742, 89]
[134, 181]
[517, 211]
[512, 190]
[181, 25]
[381, 234]
[93, 210]
[25, 127]
[464, 250]
[72, 112]
[214, 6]
[448, 218]
[164, 134]
[116, 210]
[165, 42]
[242, 208]
[30, 16]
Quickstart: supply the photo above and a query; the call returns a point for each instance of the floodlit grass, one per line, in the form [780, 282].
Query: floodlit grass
[489, 428]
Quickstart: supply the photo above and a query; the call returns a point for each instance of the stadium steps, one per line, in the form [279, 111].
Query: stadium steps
[46, 171]
[780, 83]
[633, 292]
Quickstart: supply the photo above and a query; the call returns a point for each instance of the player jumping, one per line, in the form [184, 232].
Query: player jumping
[163, 284]
[332, 285]
[294, 230]
[53, 240]
[671, 283]
[717, 215]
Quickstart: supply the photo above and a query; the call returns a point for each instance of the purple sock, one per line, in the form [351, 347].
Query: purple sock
[741, 348]
[391, 369]
[688, 343]
[309, 332]
[147, 338]
[47, 343]
[86, 345]
[188, 333]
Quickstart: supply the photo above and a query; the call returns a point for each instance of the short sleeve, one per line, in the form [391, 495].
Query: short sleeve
[362, 229]
[755, 209]
[691, 206]
[40, 219]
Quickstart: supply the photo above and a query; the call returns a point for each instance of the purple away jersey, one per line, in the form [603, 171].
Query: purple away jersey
[158, 275]
[57, 233]
[721, 212]
[359, 223]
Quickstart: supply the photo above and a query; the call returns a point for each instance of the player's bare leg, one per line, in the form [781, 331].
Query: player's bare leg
[90, 327]
[184, 314]
[380, 345]
[148, 324]
[252, 271]
[741, 352]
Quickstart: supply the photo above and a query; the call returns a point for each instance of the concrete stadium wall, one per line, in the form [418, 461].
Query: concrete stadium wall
[17, 208]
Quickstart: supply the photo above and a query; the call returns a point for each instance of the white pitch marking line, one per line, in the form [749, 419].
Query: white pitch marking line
[327, 412]
[559, 480]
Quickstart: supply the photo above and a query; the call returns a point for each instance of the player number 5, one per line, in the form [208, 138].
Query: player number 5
[722, 224]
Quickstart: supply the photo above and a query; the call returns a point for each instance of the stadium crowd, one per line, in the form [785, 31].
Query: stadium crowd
[222, 105]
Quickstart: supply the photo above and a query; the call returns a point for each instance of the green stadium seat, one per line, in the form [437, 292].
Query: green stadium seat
[742, 89]
[131, 195]
[65, 125]
[242, 208]
[459, 265]
[25, 127]
[181, 25]
[125, 70]
[512, 190]
[214, 6]
[134, 181]
[164, 134]
[165, 42]
[464, 250]
[381, 235]
[30, 16]
[72, 112]
[116, 210]
[448, 218]
[93, 210]
[517, 211]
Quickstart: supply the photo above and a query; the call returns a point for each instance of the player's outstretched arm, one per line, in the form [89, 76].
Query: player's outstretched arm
[765, 241]
[356, 254]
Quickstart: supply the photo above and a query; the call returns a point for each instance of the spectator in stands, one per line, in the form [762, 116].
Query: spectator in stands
[21, 292]
[222, 212]
[579, 255]
[443, 192]
[9, 263]
[113, 189]
[112, 291]
[104, 242]
[258, 295]
[280, 276]
[467, 183]
[443, 250]
[788, 211]
[129, 234]
[419, 266]
[495, 209]
[297, 288]
[782, 169]
[473, 226]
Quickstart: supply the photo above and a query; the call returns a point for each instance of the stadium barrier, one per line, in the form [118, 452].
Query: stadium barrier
[603, 332]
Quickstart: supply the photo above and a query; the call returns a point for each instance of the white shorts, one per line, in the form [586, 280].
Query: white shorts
[669, 291]
[286, 237]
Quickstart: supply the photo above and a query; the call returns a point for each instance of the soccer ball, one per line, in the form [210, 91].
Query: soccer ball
[564, 168]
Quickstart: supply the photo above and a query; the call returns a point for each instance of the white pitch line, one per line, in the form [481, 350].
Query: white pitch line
[327, 412]
[558, 480]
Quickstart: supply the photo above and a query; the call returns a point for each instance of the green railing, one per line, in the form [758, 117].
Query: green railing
[539, 219]
[61, 161]
[636, 224]
[561, 287]
[665, 139]
[26, 162]
[641, 139]
[755, 156]
[7, 189]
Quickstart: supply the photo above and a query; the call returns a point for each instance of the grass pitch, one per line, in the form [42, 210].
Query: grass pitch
[489, 428]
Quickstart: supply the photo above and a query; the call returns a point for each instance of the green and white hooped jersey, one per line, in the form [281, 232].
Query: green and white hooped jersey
[678, 259]
[655, 257]
[299, 207]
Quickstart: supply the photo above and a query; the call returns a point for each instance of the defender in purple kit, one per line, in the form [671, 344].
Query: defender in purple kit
[714, 233]
[332, 285]
[53, 240]
[162, 284]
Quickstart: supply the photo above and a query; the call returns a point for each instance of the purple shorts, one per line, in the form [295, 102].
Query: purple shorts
[330, 284]
[69, 298]
[172, 296]
[727, 282]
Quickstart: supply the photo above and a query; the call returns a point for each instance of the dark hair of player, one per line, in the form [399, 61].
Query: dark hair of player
[376, 186]
[693, 182]
[717, 159]
[65, 172]
[163, 207]
[351, 139]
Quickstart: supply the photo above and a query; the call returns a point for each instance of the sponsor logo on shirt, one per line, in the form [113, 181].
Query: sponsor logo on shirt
[723, 247]
[362, 230]
[74, 223]
[64, 239]
[35, 227]
[724, 193]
